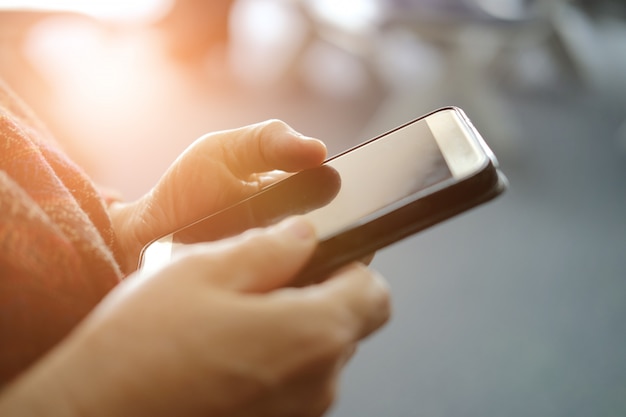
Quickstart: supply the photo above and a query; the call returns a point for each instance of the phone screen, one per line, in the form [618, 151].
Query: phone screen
[344, 191]
[382, 173]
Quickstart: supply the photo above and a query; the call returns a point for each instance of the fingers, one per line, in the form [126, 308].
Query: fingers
[361, 297]
[347, 307]
[259, 260]
[266, 146]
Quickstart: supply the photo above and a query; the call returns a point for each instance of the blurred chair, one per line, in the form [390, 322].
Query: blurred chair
[469, 36]
[474, 38]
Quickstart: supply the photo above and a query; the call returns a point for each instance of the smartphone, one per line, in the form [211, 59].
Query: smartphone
[367, 197]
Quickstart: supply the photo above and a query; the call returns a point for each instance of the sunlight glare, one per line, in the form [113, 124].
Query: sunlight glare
[350, 14]
[136, 10]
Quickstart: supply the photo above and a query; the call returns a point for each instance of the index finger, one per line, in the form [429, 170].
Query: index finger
[266, 146]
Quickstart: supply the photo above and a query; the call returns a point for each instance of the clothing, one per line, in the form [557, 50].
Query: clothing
[57, 245]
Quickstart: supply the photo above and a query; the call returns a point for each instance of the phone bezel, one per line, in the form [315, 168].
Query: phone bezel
[458, 142]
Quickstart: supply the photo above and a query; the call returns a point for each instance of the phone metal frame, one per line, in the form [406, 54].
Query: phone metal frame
[459, 143]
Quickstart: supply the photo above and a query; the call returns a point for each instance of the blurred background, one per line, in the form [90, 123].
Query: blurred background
[517, 308]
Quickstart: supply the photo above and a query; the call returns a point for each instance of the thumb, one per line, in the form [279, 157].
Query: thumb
[258, 260]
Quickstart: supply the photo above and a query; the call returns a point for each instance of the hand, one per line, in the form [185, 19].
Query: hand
[218, 169]
[216, 333]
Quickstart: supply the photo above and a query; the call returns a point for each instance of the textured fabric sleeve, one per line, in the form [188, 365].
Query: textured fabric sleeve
[58, 250]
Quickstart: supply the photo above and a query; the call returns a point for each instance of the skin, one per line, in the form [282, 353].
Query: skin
[216, 332]
[226, 166]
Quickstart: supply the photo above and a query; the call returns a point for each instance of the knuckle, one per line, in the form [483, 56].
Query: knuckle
[378, 290]
[273, 127]
[325, 343]
[259, 244]
[374, 306]
[382, 299]
[274, 124]
[321, 330]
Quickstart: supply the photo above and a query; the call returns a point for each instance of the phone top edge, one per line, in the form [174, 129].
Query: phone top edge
[458, 142]
[402, 126]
